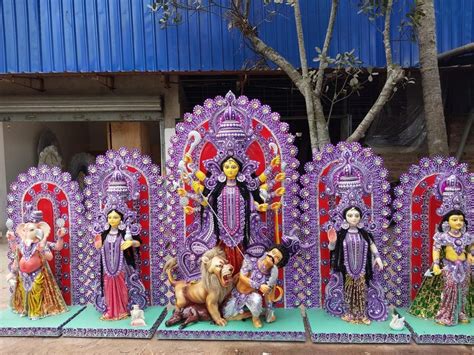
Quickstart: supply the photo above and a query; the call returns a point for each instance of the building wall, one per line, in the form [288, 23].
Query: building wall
[398, 162]
[126, 36]
[19, 140]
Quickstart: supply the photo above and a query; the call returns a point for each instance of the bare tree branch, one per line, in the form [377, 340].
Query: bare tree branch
[386, 34]
[432, 99]
[300, 37]
[394, 75]
[261, 47]
[307, 90]
[327, 41]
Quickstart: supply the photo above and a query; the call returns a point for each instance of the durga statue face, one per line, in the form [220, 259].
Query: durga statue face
[230, 168]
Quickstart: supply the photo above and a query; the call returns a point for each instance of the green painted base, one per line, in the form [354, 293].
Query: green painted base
[426, 331]
[11, 324]
[289, 326]
[89, 325]
[328, 329]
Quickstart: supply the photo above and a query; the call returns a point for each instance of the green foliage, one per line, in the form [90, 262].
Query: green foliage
[411, 21]
[170, 10]
[372, 8]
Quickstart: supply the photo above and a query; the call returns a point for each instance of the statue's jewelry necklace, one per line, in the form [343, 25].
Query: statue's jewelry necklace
[456, 240]
[112, 236]
[113, 259]
[28, 250]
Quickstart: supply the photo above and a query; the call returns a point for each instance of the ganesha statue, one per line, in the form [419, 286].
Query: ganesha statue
[35, 291]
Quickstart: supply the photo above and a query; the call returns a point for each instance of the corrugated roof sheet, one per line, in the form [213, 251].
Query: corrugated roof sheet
[56, 36]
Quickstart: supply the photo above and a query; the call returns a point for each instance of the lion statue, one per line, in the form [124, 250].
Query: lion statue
[211, 289]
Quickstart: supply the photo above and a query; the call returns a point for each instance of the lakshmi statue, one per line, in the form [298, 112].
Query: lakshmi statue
[35, 291]
[447, 296]
[120, 284]
[353, 292]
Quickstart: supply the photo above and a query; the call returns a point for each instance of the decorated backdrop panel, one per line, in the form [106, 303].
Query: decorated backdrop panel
[150, 209]
[317, 203]
[52, 191]
[417, 199]
[269, 137]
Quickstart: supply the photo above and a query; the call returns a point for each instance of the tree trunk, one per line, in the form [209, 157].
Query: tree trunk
[433, 103]
[308, 97]
[321, 124]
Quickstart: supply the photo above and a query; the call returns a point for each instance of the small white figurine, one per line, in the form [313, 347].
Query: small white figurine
[397, 323]
[138, 316]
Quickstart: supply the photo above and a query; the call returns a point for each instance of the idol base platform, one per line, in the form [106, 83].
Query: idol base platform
[426, 331]
[289, 326]
[11, 324]
[89, 325]
[329, 329]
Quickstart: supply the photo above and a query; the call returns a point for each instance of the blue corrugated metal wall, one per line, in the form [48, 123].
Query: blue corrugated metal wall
[54, 36]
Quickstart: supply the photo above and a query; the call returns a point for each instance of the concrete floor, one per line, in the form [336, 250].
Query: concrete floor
[154, 346]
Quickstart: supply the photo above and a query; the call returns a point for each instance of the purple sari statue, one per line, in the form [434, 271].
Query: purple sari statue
[353, 292]
[120, 284]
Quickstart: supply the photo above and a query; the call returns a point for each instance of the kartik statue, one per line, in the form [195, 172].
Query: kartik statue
[457, 247]
[35, 291]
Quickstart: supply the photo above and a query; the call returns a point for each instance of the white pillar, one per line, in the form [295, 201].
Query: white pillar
[172, 111]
